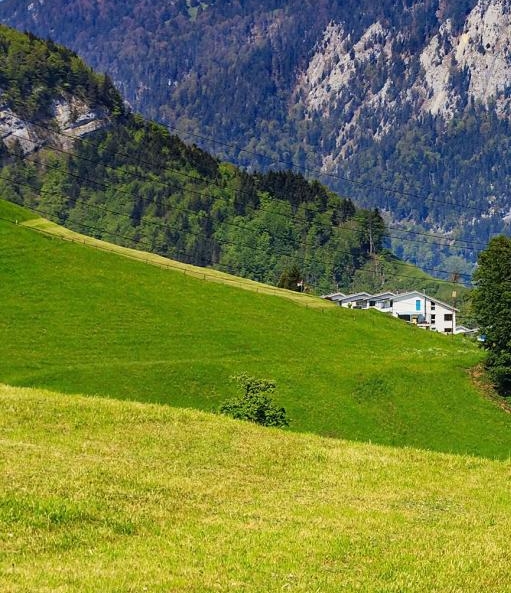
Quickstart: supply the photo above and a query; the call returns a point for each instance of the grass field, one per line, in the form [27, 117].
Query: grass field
[111, 496]
[77, 319]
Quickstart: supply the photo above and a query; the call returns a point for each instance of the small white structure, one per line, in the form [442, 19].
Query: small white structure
[358, 300]
[463, 329]
[336, 297]
[414, 307]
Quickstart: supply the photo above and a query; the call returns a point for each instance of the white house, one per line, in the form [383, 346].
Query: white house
[414, 307]
[425, 311]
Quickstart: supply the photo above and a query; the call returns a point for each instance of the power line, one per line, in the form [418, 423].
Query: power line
[202, 195]
[290, 164]
[241, 227]
[167, 265]
[139, 242]
[211, 182]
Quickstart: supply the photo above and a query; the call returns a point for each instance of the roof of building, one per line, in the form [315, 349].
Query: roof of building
[334, 296]
[356, 296]
[382, 295]
[406, 295]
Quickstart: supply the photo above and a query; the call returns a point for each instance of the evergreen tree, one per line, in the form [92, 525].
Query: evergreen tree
[292, 279]
[492, 307]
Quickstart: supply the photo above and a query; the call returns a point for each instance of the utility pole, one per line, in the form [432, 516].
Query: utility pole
[455, 277]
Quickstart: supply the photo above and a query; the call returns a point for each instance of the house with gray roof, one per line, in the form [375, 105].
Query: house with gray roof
[414, 306]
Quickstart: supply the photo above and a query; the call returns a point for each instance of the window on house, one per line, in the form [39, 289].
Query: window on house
[418, 305]
[372, 303]
[448, 317]
[433, 306]
[433, 319]
[448, 330]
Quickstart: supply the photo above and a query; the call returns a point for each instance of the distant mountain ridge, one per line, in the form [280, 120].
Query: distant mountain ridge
[404, 106]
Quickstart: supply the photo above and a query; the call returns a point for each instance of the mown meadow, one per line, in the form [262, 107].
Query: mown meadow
[76, 319]
[113, 496]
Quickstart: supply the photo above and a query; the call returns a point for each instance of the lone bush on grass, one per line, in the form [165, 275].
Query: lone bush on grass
[254, 404]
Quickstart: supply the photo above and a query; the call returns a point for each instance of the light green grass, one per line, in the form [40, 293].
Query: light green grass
[102, 495]
[80, 320]
[50, 228]
[13, 213]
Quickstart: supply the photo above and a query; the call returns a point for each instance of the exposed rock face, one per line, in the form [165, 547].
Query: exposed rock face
[72, 119]
[481, 52]
[13, 129]
[335, 63]
[327, 83]
[453, 68]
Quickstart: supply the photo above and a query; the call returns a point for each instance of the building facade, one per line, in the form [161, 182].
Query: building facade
[414, 307]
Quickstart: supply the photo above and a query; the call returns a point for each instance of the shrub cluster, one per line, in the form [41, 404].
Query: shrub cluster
[254, 404]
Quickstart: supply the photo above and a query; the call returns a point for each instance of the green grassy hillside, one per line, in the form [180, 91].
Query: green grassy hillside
[102, 495]
[79, 320]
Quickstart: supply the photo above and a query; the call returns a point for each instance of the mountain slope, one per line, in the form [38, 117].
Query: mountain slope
[81, 320]
[44, 83]
[132, 182]
[410, 101]
[117, 496]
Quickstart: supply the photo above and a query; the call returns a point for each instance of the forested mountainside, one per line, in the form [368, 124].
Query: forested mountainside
[42, 82]
[122, 178]
[404, 106]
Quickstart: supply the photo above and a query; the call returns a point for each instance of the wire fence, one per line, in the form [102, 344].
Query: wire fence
[307, 301]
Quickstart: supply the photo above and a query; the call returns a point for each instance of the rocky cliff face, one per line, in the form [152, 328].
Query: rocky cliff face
[72, 118]
[452, 69]
[480, 53]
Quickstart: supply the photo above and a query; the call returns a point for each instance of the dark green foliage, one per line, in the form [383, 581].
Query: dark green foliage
[35, 73]
[499, 369]
[254, 404]
[492, 307]
[292, 279]
[372, 230]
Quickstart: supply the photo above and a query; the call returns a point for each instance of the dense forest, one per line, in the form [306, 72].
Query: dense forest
[232, 77]
[137, 185]
[134, 183]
